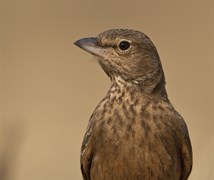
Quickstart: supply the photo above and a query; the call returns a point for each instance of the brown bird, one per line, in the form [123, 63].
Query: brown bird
[134, 133]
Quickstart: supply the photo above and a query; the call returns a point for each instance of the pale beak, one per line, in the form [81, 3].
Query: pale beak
[90, 45]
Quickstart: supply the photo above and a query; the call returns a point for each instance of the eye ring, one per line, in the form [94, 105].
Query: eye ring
[124, 45]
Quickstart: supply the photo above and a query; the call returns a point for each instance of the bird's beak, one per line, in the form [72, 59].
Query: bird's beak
[90, 45]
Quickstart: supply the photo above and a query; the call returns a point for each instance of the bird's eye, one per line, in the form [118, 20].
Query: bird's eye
[124, 45]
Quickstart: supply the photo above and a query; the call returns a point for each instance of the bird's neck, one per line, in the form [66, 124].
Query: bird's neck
[134, 88]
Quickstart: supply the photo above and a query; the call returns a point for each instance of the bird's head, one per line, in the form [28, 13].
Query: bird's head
[126, 54]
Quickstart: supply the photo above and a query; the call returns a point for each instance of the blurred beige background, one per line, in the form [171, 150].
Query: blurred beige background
[49, 87]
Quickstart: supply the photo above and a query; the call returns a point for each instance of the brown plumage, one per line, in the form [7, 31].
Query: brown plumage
[134, 132]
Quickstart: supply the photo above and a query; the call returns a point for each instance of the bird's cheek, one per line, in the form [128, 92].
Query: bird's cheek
[104, 54]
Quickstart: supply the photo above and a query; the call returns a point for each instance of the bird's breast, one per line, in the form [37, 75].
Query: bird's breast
[134, 137]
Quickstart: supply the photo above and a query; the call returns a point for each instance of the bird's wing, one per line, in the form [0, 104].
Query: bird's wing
[186, 149]
[186, 155]
[87, 153]
[87, 150]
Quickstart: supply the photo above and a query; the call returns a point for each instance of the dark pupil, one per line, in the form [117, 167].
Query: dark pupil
[124, 45]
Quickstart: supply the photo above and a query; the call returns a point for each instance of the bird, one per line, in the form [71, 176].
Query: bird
[134, 133]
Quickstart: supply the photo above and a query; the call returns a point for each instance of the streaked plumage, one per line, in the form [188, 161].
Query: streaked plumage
[134, 133]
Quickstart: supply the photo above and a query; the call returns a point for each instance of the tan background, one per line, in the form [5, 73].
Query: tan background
[49, 87]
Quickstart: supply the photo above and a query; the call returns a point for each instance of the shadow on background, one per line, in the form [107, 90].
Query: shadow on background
[12, 138]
